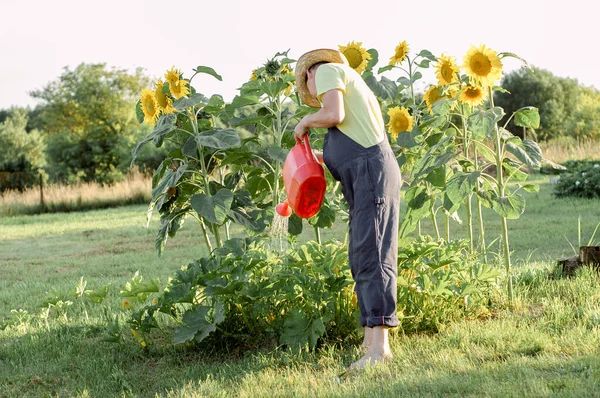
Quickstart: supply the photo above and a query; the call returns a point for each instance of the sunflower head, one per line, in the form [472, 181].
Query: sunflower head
[272, 67]
[357, 56]
[173, 76]
[431, 95]
[483, 65]
[446, 70]
[149, 106]
[472, 95]
[164, 101]
[400, 120]
[180, 89]
[399, 54]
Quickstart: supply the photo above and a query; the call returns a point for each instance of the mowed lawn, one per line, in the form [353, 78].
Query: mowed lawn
[546, 344]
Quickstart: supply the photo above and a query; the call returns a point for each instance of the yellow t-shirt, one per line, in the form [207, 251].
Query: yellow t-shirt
[363, 121]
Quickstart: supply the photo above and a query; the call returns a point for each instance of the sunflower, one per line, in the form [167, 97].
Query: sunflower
[163, 100]
[434, 93]
[431, 95]
[149, 106]
[400, 120]
[173, 76]
[447, 70]
[472, 95]
[400, 53]
[483, 65]
[357, 56]
[180, 89]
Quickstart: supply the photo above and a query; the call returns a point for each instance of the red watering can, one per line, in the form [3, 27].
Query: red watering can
[304, 181]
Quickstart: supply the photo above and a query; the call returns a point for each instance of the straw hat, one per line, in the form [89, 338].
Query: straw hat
[305, 62]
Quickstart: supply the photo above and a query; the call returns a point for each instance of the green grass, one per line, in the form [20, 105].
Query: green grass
[547, 344]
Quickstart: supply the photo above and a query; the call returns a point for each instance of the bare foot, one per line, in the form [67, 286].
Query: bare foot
[372, 357]
[368, 337]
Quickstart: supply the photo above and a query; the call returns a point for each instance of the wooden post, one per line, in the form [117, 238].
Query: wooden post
[42, 204]
[590, 255]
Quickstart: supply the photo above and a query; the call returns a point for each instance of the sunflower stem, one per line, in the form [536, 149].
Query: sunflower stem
[500, 182]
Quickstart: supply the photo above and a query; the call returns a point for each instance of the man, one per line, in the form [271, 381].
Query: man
[357, 153]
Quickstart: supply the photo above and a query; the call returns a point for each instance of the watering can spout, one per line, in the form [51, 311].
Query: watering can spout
[284, 209]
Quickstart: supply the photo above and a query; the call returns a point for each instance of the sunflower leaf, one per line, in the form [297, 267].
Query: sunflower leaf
[527, 117]
[139, 113]
[208, 71]
[384, 89]
[427, 54]
[511, 55]
[213, 208]
[219, 138]
[385, 69]
[192, 100]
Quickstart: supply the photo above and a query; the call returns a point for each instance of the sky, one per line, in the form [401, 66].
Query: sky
[40, 38]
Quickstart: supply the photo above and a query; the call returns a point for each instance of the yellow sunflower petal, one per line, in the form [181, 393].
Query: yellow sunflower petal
[483, 65]
[400, 120]
[400, 53]
[357, 56]
[173, 76]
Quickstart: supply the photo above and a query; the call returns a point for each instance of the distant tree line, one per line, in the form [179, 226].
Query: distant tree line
[567, 109]
[83, 130]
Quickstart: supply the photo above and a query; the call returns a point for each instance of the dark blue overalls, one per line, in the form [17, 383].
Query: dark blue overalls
[370, 179]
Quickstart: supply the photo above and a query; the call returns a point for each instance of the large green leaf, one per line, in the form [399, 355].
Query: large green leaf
[139, 113]
[411, 139]
[384, 89]
[442, 106]
[208, 71]
[438, 155]
[437, 176]
[294, 225]
[192, 100]
[300, 330]
[510, 206]
[527, 151]
[215, 105]
[277, 153]
[219, 138]
[461, 184]
[169, 179]
[213, 208]
[164, 126]
[513, 170]
[528, 117]
[195, 326]
[481, 123]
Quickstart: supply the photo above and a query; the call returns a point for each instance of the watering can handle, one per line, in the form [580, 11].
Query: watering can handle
[305, 142]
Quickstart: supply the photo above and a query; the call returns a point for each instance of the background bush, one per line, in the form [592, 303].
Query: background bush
[581, 180]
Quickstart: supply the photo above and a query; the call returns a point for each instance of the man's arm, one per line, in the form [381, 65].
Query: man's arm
[331, 114]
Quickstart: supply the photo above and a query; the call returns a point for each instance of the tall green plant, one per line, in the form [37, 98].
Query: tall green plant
[203, 176]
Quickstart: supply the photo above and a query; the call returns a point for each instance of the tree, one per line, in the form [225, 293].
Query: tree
[22, 154]
[89, 115]
[555, 97]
